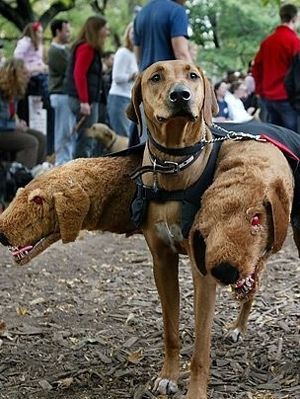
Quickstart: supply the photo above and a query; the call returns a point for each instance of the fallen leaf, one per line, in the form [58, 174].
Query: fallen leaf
[22, 311]
[135, 357]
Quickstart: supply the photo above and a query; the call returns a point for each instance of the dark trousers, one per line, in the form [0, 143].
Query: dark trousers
[281, 113]
[29, 146]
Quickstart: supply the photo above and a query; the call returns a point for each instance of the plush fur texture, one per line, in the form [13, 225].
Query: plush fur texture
[110, 140]
[244, 217]
[90, 194]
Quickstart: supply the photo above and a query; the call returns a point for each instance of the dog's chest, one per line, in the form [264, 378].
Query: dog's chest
[170, 234]
[167, 226]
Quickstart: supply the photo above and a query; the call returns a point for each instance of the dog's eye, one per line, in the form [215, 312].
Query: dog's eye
[255, 220]
[155, 78]
[194, 76]
[37, 200]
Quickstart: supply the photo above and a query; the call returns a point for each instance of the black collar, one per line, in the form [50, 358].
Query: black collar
[190, 150]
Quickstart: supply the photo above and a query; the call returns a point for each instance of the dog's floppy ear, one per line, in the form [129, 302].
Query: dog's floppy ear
[197, 248]
[133, 110]
[279, 202]
[71, 207]
[210, 105]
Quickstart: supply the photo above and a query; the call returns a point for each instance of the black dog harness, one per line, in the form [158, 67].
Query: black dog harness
[286, 140]
[190, 197]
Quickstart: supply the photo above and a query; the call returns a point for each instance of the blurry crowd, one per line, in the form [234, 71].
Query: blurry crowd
[236, 97]
[81, 85]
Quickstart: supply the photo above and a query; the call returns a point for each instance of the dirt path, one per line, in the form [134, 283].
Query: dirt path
[83, 321]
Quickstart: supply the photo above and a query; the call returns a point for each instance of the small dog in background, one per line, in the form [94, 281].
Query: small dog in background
[111, 141]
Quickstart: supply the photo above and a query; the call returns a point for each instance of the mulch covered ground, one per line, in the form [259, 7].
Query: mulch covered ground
[83, 321]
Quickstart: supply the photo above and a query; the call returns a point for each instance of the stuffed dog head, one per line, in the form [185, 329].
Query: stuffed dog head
[43, 212]
[244, 217]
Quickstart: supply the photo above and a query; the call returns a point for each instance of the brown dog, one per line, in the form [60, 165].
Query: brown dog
[110, 140]
[178, 105]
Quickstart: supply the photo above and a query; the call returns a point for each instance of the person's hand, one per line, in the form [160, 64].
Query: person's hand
[21, 125]
[85, 109]
[251, 110]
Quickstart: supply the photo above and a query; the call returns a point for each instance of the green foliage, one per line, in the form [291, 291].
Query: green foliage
[229, 32]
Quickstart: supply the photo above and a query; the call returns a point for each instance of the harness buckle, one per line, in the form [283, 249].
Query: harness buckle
[174, 165]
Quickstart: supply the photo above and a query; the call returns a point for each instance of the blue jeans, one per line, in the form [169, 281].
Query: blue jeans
[116, 109]
[86, 147]
[281, 113]
[64, 121]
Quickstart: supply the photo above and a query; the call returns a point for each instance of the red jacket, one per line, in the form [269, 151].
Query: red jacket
[273, 61]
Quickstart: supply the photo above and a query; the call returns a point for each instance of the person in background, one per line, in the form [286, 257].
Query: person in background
[292, 85]
[27, 145]
[220, 92]
[161, 32]
[271, 65]
[107, 61]
[30, 49]
[123, 75]
[251, 99]
[64, 120]
[233, 97]
[84, 74]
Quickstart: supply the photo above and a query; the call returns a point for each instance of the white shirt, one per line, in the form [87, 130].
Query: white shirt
[124, 67]
[237, 112]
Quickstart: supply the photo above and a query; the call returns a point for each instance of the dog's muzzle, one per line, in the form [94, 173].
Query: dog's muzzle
[226, 273]
[180, 94]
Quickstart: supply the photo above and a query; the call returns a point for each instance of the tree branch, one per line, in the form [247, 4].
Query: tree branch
[98, 8]
[54, 9]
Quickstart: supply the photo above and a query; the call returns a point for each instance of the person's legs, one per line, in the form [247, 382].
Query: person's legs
[23, 144]
[86, 147]
[116, 107]
[263, 112]
[287, 114]
[42, 144]
[64, 139]
[273, 114]
[281, 113]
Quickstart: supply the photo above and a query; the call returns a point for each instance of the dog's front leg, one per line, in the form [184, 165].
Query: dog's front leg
[204, 308]
[240, 326]
[165, 263]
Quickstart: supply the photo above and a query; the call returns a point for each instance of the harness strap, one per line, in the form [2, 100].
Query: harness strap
[190, 197]
[164, 166]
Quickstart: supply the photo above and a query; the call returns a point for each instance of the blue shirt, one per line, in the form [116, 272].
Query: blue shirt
[154, 27]
[223, 109]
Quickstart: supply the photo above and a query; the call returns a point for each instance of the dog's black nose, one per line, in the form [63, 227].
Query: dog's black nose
[4, 240]
[226, 273]
[179, 94]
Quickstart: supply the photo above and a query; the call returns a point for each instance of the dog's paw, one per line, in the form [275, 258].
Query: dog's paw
[234, 335]
[165, 386]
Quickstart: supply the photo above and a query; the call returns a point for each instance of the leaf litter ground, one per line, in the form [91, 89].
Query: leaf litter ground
[83, 321]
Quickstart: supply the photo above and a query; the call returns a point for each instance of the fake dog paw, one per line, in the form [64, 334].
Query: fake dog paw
[165, 386]
[234, 335]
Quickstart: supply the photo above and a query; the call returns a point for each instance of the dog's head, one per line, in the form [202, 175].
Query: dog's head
[43, 212]
[241, 222]
[174, 94]
[101, 132]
